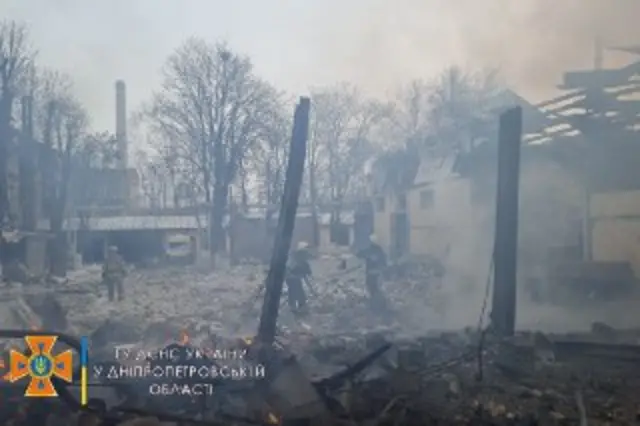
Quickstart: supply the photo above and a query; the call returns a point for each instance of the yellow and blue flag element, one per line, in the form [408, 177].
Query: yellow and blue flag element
[84, 362]
[40, 366]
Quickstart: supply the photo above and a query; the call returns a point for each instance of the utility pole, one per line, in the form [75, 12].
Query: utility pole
[503, 314]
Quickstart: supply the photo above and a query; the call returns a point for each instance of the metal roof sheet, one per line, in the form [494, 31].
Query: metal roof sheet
[131, 223]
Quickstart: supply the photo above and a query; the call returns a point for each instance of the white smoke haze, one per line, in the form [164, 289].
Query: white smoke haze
[531, 41]
[378, 45]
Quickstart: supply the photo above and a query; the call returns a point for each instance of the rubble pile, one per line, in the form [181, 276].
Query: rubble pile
[153, 296]
[231, 297]
[440, 380]
[413, 289]
[425, 378]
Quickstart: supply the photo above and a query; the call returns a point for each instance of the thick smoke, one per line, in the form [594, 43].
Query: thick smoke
[532, 41]
[378, 44]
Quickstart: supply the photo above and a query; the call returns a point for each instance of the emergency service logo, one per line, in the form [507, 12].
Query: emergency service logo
[40, 365]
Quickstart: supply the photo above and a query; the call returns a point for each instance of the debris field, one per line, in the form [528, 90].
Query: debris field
[460, 376]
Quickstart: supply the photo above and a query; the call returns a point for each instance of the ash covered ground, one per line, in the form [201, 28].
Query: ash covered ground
[432, 370]
[230, 300]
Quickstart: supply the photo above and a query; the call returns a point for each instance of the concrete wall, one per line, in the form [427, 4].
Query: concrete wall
[617, 240]
[436, 226]
[458, 224]
[382, 218]
[252, 239]
[325, 236]
[111, 188]
[36, 254]
[138, 246]
[615, 204]
[616, 227]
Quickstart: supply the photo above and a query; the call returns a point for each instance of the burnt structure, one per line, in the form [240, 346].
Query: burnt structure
[598, 120]
[286, 221]
[505, 253]
[22, 238]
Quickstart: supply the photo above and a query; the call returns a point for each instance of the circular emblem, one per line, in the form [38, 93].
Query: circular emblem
[40, 366]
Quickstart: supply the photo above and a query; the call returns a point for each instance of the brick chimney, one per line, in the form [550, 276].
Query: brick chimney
[121, 123]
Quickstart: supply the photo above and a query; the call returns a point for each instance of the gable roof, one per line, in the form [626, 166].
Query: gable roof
[395, 170]
[400, 169]
[433, 170]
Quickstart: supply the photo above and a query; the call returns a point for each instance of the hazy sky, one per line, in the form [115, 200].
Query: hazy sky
[298, 44]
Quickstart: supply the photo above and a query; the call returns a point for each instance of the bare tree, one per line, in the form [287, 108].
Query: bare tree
[62, 122]
[341, 143]
[462, 104]
[212, 109]
[16, 63]
[412, 114]
[437, 118]
[99, 150]
[153, 179]
[268, 160]
[95, 153]
[163, 153]
[447, 113]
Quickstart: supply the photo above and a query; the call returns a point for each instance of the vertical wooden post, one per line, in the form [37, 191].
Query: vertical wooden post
[286, 222]
[503, 313]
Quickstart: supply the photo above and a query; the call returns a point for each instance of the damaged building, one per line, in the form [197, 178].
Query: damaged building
[424, 205]
[104, 209]
[579, 188]
[24, 241]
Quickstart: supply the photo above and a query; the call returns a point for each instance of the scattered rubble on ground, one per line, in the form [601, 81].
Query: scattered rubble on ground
[425, 378]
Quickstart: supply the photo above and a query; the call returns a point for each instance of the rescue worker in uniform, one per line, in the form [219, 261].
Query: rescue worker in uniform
[375, 263]
[113, 274]
[299, 271]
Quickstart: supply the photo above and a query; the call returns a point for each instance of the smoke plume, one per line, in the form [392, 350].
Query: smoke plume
[531, 41]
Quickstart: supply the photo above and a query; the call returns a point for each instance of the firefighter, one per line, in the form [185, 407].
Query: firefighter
[113, 274]
[299, 271]
[375, 263]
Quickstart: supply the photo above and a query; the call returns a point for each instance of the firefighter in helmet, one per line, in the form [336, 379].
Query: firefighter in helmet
[375, 263]
[298, 272]
[113, 274]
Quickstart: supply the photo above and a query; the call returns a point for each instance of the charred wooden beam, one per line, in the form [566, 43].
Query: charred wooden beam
[577, 96]
[506, 234]
[286, 222]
